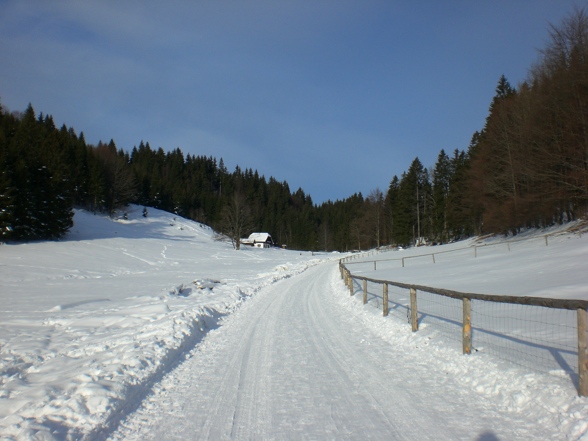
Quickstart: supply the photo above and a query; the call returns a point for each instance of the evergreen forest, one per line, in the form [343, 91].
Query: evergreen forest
[526, 167]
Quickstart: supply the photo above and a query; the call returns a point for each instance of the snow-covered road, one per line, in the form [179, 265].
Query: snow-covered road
[293, 363]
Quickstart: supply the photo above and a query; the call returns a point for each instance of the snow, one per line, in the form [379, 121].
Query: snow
[526, 265]
[302, 364]
[549, 263]
[89, 323]
[148, 328]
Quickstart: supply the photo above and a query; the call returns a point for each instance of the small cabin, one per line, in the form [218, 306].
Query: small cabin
[258, 240]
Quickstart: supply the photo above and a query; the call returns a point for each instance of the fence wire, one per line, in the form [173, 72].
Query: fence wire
[535, 337]
[540, 338]
[399, 303]
[443, 314]
[398, 300]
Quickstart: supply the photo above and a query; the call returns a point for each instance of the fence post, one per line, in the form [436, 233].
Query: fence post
[582, 352]
[433, 257]
[385, 300]
[467, 326]
[364, 291]
[350, 280]
[413, 310]
[403, 262]
[374, 265]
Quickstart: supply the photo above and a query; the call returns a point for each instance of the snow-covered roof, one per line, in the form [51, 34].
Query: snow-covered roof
[258, 238]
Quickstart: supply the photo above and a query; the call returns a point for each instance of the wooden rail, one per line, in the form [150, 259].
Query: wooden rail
[349, 259]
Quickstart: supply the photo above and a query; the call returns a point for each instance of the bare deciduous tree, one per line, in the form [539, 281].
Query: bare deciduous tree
[374, 216]
[236, 219]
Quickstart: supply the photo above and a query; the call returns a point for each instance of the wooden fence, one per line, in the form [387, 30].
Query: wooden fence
[474, 248]
[580, 306]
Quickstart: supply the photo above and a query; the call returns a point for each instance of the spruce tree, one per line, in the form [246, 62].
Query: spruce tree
[441, 179]
[410, 206]
[6, 205]
[390, 204]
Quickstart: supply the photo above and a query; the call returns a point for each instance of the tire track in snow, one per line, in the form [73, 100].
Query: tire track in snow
[341, 360]
[293, 364]
[244, 387]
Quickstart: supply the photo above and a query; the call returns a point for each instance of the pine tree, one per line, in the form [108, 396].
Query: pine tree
[390, 208]
[410, 206]
[441, 179]
[7, 128]
[6, 205]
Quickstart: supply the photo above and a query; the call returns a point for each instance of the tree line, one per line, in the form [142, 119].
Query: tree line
[527, 167]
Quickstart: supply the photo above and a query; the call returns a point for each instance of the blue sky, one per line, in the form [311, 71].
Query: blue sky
[335, 97]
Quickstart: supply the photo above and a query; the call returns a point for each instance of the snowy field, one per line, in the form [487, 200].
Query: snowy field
[100, 333]
[89, 323]
[548, 264]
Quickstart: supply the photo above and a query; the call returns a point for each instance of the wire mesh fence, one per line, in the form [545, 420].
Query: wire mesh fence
[546, 335]
[444, 314]
[535, 337]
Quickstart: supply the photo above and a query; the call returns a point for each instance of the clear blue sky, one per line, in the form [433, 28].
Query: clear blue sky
[335, 97]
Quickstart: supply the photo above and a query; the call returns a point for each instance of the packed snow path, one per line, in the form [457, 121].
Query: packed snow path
[293, 364]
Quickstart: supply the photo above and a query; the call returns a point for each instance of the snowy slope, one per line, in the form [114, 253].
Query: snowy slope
[89, 323]
[548, 263]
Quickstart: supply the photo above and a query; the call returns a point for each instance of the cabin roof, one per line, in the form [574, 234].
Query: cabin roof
[259, 237]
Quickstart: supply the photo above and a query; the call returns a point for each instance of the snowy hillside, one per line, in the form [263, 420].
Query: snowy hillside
[89, 323]
[547, 263]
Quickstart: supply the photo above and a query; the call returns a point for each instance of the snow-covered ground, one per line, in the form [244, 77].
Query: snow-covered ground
[89, 323]
[302, 360]
[150, 323]
[548, 263]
